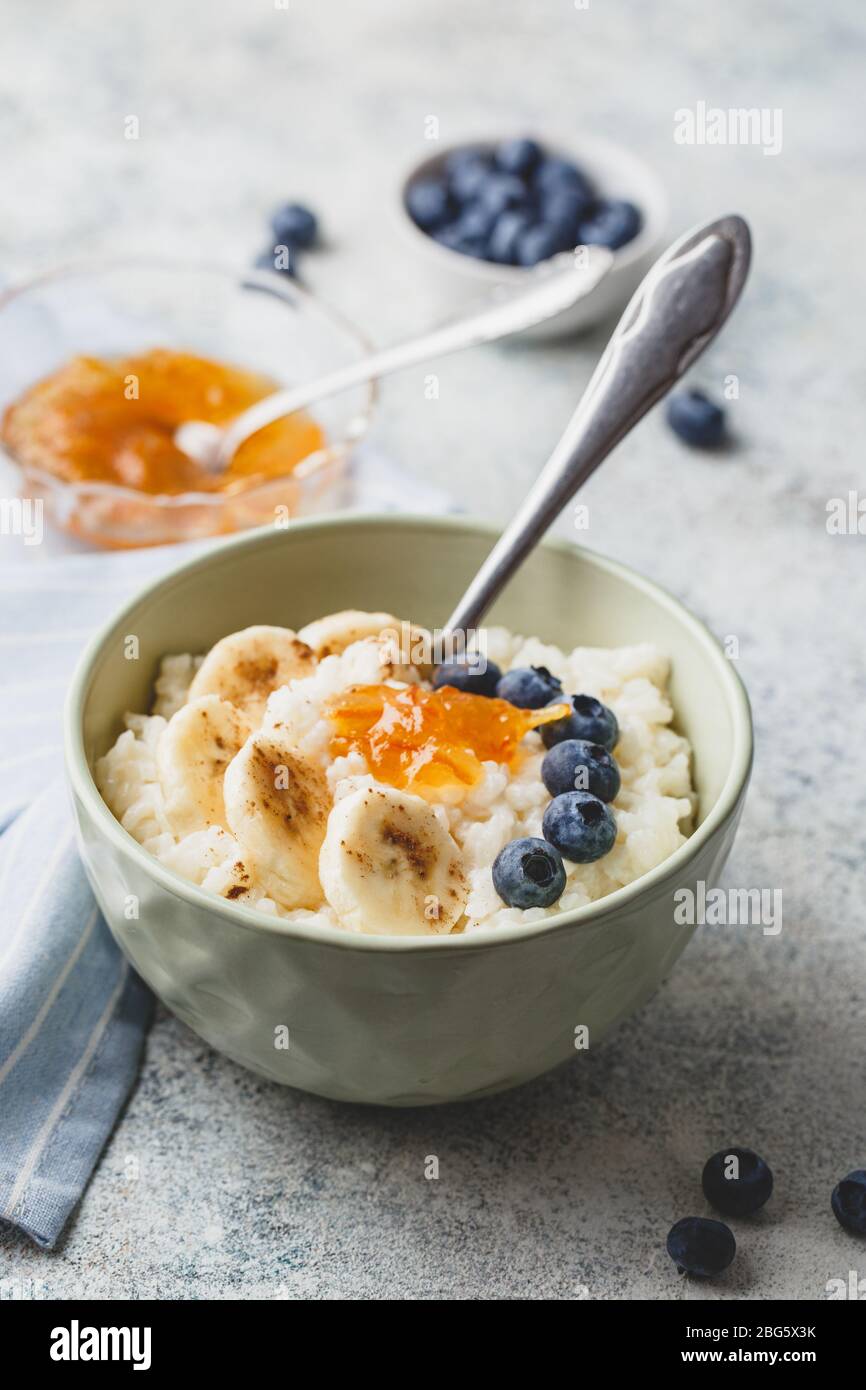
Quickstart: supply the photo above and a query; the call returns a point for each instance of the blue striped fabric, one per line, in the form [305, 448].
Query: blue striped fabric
[72, 1020]
[73, 1015]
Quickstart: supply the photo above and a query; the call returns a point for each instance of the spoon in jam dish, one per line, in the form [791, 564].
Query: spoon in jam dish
[549, 289]
[674, 314]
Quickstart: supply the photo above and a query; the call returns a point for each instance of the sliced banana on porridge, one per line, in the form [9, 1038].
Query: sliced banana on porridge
[470, 797]
[405, 644]
[246, 666]
[192, 755]
[331, 635]
[277, 806]
[388, 864]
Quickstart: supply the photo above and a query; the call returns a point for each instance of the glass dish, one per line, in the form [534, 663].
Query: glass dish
[251, 319]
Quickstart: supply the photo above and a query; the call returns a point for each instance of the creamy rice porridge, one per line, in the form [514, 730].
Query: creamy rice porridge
[322, 777]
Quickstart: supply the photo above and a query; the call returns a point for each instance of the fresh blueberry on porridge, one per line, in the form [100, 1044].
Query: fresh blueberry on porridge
[329, 776]
[529, 873]
[529, 687]
[581, 826]
[589, 719]
[577, 765]
[475, 676]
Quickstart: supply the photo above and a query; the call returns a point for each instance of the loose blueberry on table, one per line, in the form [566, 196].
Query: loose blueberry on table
[529, 873]
[514, 204]
[736, 1181]
[578, 765]
[700, 1246]
[696, 419]
[295, 225]
[849, 1202]
[589, 719]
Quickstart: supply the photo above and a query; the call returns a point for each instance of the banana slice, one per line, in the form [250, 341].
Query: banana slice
[404, 645]
[277, 808]
[246, 666]
[389, 865]
[331, 635]
[194, 750]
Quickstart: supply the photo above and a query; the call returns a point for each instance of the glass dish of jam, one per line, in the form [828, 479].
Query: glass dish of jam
[99, 366]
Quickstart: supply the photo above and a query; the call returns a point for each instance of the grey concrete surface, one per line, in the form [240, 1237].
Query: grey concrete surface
[217, 1185]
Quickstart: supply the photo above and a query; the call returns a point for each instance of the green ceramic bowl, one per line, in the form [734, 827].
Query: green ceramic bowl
[399, 1020]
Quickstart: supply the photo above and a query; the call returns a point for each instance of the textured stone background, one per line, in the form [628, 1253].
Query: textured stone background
[567, 1187]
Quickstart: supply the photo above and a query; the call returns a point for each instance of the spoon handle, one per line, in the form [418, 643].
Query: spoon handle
[552, 288]
[676, 311]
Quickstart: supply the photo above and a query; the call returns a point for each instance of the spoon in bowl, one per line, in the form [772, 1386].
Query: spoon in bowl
[548, 290]
[674, 314]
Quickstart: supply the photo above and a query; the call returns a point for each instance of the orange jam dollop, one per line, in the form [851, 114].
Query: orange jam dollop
[429, 740]
[113, 421]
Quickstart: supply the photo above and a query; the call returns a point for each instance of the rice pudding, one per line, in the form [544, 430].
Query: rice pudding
[326, 776]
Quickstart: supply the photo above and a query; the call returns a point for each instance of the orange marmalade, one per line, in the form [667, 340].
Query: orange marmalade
[427, 740]
[113, 421]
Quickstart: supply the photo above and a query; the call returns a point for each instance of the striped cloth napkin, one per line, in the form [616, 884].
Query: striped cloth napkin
[73, 1014]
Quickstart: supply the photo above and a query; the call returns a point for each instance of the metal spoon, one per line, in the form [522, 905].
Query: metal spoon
[551, 288]
[676, 311]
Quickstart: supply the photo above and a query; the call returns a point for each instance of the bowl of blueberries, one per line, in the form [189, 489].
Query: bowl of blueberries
[486, 212]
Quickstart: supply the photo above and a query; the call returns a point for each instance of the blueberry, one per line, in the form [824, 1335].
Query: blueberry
[518, 156]
[529, 873]
[849, 1202]
[529, 687]
[563, 237]
[589, 719]
[476, 221]
[563, 210]
[701, 1246]
[464, 156]
[736, 1181]
[555, 174]
[282, 259]
[537, 244]
[696, 419]
[581, 826]
[505, 235]
[613, 222]
[449, 235]
[501, 191]
[475, 676]
[467, 183]
[576, 765]
[428, 203]
[295, 225]
[565, 204]
[454, 237]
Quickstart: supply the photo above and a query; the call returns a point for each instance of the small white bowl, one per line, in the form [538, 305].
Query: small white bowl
[616, 173]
